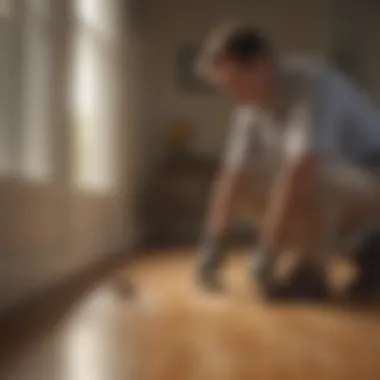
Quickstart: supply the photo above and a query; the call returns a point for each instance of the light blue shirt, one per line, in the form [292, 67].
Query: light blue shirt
[342, 120]
[324, 113]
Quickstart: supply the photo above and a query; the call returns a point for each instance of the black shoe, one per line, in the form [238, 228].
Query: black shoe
[367, 259]
[308, 283]
[364, 289]
[305, 284]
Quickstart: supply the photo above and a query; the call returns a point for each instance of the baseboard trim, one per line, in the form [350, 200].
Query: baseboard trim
[100, 264]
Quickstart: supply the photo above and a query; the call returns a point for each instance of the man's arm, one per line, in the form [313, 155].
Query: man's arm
[224, 201]
[222, 211]
[227, 188]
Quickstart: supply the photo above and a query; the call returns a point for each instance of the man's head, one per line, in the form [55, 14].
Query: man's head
[239, 61]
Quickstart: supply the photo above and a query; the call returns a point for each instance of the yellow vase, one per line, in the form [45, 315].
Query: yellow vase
[179, 134]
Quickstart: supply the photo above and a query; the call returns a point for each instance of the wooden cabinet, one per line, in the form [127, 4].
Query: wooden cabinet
[178, 200]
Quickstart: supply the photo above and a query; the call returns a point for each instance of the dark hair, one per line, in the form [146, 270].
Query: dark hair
[241, 43]
[245, 45]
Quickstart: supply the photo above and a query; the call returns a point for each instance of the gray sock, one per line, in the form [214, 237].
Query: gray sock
[212, 256]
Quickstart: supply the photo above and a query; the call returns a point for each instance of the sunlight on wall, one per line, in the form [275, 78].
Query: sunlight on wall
[93, 94]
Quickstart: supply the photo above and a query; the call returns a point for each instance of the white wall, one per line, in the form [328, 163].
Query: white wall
[293, 25]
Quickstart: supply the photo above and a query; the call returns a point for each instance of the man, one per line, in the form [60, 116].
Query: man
[300, 141]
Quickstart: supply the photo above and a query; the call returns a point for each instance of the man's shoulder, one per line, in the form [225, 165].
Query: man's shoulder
[302, 83]
[312, 75]
[305, 67]
[299, 73]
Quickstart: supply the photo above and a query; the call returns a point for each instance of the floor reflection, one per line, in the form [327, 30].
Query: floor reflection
[84, 345]
[90, 337]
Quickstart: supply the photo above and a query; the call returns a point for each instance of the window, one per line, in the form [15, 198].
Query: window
[38, 85]
[94, 93]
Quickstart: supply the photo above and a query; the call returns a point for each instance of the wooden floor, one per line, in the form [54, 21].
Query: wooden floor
[172, 331]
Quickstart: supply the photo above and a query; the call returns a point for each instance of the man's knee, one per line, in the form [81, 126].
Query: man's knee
[349, 186]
